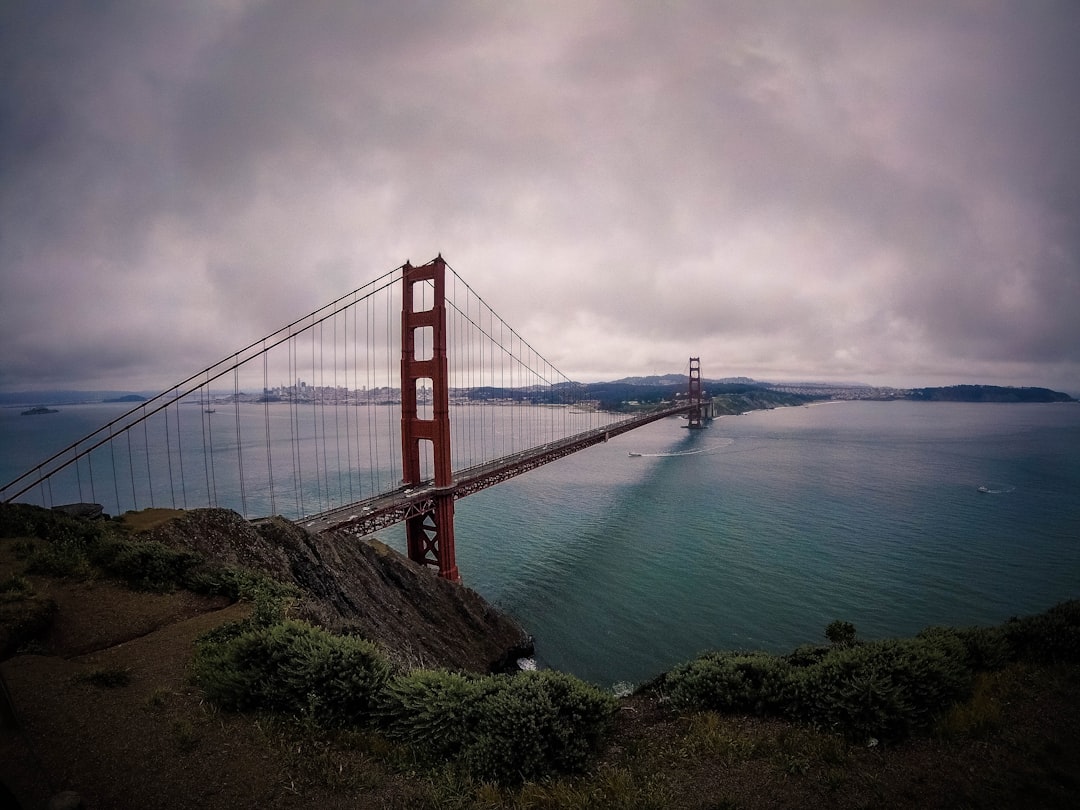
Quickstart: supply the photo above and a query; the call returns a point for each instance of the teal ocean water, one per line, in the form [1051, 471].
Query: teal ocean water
[759, 531]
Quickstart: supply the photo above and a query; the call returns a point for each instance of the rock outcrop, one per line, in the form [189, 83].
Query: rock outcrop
[358, 585]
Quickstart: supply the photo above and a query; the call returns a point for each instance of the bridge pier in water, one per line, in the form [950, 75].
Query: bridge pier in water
[430, 536]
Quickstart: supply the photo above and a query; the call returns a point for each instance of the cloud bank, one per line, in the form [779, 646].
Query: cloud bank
[847, 191]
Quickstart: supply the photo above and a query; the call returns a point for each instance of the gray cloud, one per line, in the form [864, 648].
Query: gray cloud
[877, 191]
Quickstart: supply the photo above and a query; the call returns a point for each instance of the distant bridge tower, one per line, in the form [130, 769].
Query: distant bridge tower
[430, 535]
[694, 415]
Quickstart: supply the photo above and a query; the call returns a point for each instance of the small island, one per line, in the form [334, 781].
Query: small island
[40, 409]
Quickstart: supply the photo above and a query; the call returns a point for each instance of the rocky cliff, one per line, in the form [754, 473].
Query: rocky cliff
[348, 584]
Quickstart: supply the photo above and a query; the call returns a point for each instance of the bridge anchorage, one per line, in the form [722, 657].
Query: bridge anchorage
[305, 422]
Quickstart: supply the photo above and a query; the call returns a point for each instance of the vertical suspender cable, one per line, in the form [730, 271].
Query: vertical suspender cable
[369, 384]
[348, 428]
[146, 450]
[389, 379]
[78, 478]
[337, 406]
[90, 471]
[207, 412]
[294, 425]
[239, 441]
[266, 426]
[315, 424]
[180, 456]
[322, 416]
[168, 460]
[131, 471]
[116, 486]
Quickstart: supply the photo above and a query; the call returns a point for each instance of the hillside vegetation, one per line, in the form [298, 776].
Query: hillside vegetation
[143, 673]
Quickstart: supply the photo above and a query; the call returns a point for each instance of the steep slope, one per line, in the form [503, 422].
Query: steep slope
[358, 585]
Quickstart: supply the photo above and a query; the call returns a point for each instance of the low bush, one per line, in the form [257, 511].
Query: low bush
[841, 633]
[498, 728]
[16, 586]
[885, 689]
[431, 710]
[985, 649]
[145, 566]
[24, 520]
[58, 560]
[294, 668]
[756, 683]
[1049, 637]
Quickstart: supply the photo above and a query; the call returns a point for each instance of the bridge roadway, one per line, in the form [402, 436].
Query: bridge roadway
[374, 514]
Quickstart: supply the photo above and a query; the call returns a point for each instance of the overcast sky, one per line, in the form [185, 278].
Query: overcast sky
[886, 192]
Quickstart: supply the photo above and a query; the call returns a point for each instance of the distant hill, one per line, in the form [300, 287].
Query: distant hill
[986, 393]
[66, 397]
[653, 379]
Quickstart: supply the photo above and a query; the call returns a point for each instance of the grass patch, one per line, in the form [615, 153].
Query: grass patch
[158, 698]
[185, 735]
[982, 713]
[714, 736]
[15, 587]
[146, 519]
[25, 616]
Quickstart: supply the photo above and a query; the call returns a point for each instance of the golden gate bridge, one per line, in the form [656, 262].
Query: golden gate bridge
[342, 421]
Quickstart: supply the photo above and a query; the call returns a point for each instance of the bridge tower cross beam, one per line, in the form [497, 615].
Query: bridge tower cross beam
[430, 535]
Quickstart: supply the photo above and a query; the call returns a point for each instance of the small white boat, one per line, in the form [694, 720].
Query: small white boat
[983, 488]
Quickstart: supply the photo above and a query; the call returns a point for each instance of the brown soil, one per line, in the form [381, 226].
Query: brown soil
[151, 741]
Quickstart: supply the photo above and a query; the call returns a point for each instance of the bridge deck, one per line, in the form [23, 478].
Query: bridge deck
[373, 514]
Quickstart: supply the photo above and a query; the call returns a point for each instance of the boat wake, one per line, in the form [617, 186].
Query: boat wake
[710, 449]
[994, 489]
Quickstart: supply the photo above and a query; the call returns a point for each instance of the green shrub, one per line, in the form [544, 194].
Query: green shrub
[806, 654]
[235, 583]
[886, 689]
[985, 649]
[756, 682]
[432, 710]
[146, 566]
[68, 540]
[58, 560]
[1050, 637]
[294, 668]
[24, 520]
[840, 633]
[498, 728]
[15, 586]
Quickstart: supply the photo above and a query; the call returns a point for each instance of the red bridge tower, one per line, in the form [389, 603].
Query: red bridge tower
[694, 415]
[430, 535]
